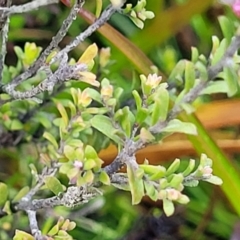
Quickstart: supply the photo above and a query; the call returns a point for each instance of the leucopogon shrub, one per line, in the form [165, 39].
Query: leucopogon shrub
[68, 146]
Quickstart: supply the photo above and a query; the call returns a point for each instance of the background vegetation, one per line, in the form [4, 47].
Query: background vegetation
[178, 25]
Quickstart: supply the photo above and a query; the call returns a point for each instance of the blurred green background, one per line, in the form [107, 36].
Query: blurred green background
[178, 25]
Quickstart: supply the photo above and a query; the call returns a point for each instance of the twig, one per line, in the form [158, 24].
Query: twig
[63, 73]
[4, 25]
[129, 150]
[53, 44]
[27, 7]
[48, 83]
[105, 16]
[195, 91]
[34, 225]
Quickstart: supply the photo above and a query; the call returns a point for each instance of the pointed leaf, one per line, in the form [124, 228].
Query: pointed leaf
[90, 152]
[136, 186]
[104, 125]
[89, 164]
[89, 54]
[21, 235]
[88, 177]
[176, 125]
[189, 76]
[173, 167]
[21, 194]
[176, 181]
[231, 79]
[168, 207]
[214, 180]
[227, 27]
[63, 113]
[16, 125]
[51, 139]
[54, 185]
[98, 8]
[216, 87]
[3, 193]
[150, 191]
[104, 178]
[189, 168]
[219, 52]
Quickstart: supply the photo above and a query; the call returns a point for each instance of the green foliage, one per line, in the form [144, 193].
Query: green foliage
[78, 120]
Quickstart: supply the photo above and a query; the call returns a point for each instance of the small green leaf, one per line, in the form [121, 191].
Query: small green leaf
[146, 136]
[214, 180]
[65, 225]
[195, 55]
[176, 180]
[231, 79]
[205, 161]
[54, 230]
[189, 75]
[168, 207]
[137, 22]
[176, 125]
[160, 172]
[151, 169]
[31, 52]
[104, 178]
[89, 164]
[51, 139]
[141, 115]
[74, 143]
[71, 226]
[216, 87]
[90, 152]
[138, 99]
[202, 70]
[98, 8]
[189, 168]
[16, 125]
[54, 185]
[163, 183]
[63, 113]
[150, 191]
[215, 44]
[21, 194]
[74, 94]
[173, 167]
[139, 173]
[88, 177]
[3, 193]
[155, 117]
[104, 125]
[89, 54]
[72, 108]
[70, 172]
[21, 235]
[183, 199]
[95, 95]
[163, 94]
[219, 51]
[227, 28]
[126, 119]
[19, 52]
[69, 152]
[136, 186]
[43, 118]
[177, 71]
